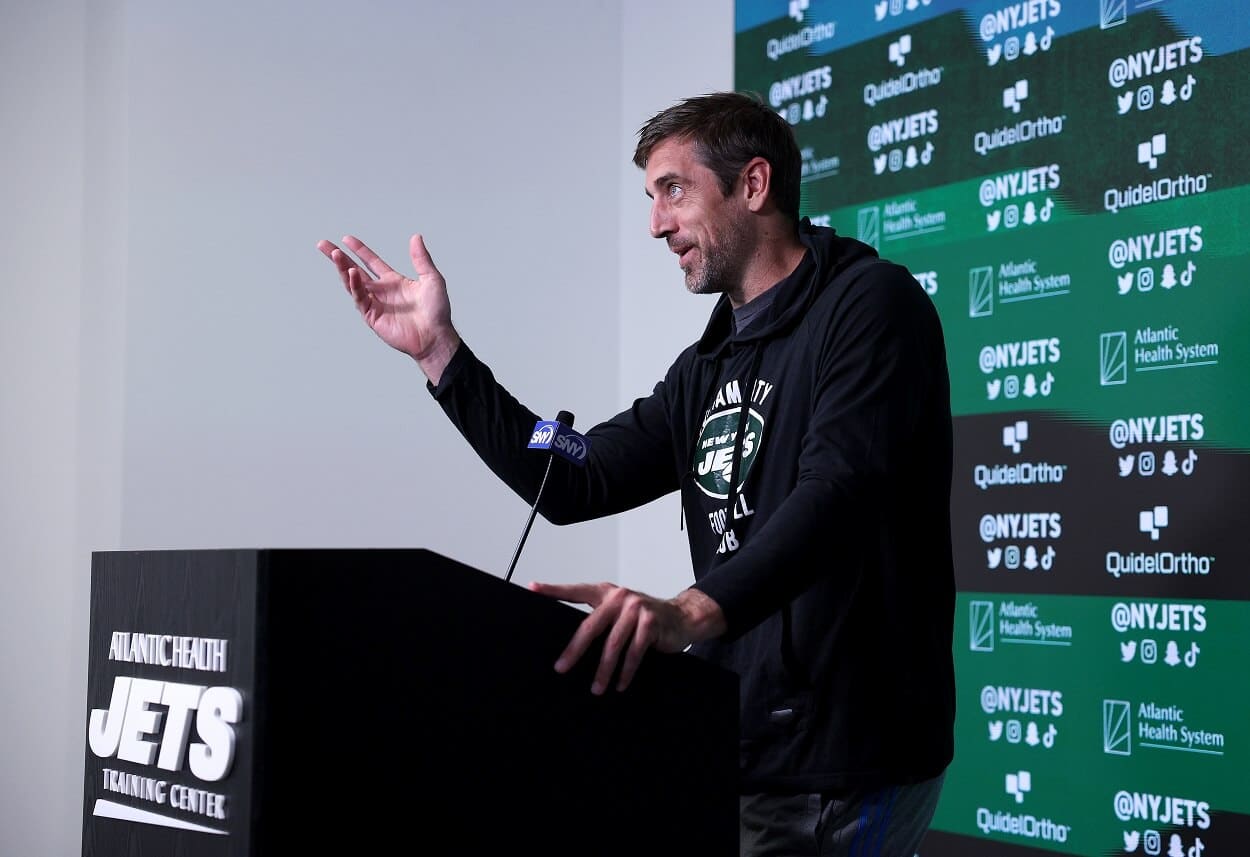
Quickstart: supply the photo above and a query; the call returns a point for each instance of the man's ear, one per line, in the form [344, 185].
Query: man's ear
[757, 178]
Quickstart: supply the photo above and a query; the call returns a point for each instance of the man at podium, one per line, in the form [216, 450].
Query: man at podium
[808, 430]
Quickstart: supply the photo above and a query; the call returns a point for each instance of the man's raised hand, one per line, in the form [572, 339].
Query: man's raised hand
[410, 315]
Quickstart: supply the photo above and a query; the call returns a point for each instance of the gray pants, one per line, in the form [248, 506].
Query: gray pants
[884, 822]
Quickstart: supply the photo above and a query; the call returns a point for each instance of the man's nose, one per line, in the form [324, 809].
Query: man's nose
[661, 221]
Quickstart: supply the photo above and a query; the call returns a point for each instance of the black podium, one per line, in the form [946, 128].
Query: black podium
[274, 702]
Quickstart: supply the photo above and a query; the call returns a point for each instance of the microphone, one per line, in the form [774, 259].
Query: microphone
[558, 437]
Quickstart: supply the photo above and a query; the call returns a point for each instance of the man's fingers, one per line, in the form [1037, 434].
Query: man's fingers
[371, 261]
[358, 282]
[590, 629]
[590, 594]
[356, 288]
[422, 263]
[642, 640]
[342, 262]
[624, 631]
[626, 621]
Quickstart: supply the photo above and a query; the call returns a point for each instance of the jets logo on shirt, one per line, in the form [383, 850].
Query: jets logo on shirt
[713, 455]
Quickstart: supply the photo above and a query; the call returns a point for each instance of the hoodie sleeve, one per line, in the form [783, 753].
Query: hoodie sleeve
[876, 445]
[630, 459]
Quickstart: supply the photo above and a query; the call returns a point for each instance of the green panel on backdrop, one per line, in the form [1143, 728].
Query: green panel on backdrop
[1096, 698]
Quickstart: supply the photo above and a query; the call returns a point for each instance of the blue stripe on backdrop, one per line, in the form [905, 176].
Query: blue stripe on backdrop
[860, 20]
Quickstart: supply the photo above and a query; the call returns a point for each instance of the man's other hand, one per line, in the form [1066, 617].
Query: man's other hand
[633, 622]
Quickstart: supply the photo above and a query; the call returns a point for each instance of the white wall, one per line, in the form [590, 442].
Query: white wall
[671, 51]
[42, 672]
[181, 368]
[259, 409]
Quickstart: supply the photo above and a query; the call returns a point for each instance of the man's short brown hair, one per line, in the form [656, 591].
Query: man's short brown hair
[728, 129]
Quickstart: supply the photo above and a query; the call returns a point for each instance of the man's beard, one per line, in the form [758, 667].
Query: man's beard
[720, 267]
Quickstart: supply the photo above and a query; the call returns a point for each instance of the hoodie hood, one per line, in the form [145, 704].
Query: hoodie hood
[827, 254]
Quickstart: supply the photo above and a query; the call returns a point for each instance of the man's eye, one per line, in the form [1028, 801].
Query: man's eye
[674, 190]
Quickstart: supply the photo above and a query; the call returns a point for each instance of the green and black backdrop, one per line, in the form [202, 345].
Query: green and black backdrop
[1069, 182]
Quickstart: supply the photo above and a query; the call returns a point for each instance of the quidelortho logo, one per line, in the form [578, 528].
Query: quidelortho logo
[1015, 434]
[785, 95]
[1150, 154]
[1173, 247]
[1152, 521]
[1017, 30]
[1149, 151]
[800, 39]
[1013, 281]
[174, 729]
[903, 218]
[904, 82]
[1015, 185]
[900, 130]
[1023, 354]
[1155, 349]
[899, 49]
[1041, 708]
[1154, 726]
[986, 476]
[1014, 95]
[1029, 537]
[894, 8]
[1022, 131]
[1019, 784]
[1152, 524]
[1159, 616]
[1016, 786]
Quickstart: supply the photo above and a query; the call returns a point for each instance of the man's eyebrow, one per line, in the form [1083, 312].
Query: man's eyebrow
[660, 181]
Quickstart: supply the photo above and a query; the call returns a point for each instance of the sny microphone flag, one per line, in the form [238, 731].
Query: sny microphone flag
[560, 439]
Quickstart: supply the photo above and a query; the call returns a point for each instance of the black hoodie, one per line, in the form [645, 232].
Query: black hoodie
[813, 455]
